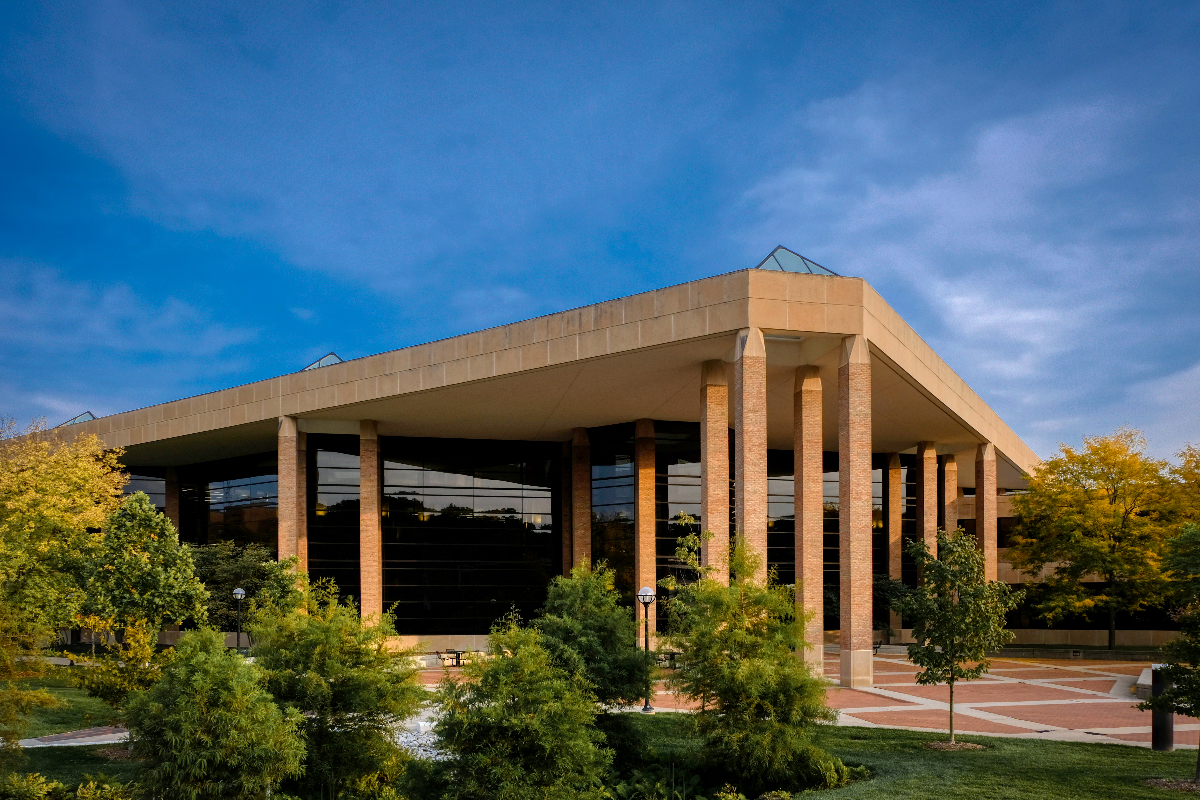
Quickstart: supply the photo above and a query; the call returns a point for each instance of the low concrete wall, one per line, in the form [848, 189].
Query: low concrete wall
[1052, 637]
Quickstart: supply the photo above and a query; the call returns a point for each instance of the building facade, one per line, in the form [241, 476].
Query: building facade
[451, 480]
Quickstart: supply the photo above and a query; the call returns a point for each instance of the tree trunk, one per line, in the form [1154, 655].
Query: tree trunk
[951, 712]
[1112, 627]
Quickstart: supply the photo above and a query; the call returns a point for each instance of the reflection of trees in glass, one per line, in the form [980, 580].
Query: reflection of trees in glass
[613, 542]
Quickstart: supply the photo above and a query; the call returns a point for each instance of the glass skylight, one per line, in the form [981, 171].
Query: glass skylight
[86, 416]
[324, 361]
[785, 260]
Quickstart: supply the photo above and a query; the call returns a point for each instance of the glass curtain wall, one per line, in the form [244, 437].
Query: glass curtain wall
[154, 488]
[234, 500]
[333, 495]
[613, 503]
[676, 492]
[470, 531]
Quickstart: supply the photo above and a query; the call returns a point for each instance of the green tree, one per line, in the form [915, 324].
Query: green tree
[519, 727]
[140, 573]
[54, 491]
[1093, 525]
[759, 702]
[210, 729]
[350, 682]
[1181, 660]
[1183, 564]
[586, 630]
[225, 566]
[957, 614]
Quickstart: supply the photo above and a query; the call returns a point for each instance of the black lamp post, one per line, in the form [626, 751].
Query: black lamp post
[646, 597]
[239, 594]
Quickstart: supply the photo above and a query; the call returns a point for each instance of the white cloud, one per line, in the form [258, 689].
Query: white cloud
[1006, 243]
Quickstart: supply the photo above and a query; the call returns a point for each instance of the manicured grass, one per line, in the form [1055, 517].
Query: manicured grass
[78, 711]
[73, 765]
[1014, 769]
[1009, 768]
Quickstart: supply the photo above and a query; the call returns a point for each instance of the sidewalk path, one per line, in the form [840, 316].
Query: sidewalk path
[105, 735]
[1079, 701]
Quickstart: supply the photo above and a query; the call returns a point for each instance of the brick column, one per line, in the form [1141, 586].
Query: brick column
[644, 528]
[927, 505]
[293, 493]
[985, 506]
[808, 453]
[750, 444]
[855, 518]
[171, 496]
[950, 493]
[581, 499]
[370, 533]
[714, 468]
[893, 499]
[566, 516]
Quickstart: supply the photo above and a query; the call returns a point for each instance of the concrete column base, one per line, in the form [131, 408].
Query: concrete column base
[814, 656]
[857, 670]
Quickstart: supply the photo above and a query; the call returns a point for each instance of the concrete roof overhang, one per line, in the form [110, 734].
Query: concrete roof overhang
[632, 358]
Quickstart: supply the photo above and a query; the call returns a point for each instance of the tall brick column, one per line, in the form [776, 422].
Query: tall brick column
[714, 468]
[950, 493]
[808, 452]
[171, 496]
[370, 506]
[566, 516]
[581, 499]
[645, 573]
[927, 505]
[293, 493]
[893, 498]
[854, 472]
[985, 506]
[750, 444]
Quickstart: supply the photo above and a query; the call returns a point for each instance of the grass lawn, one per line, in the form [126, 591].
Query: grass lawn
[1009, 768]
[73, 765]
[77, 712]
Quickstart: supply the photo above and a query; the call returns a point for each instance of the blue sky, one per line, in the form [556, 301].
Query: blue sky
[197, 197]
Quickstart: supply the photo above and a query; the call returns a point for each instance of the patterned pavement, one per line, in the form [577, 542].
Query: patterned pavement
[1084, 701]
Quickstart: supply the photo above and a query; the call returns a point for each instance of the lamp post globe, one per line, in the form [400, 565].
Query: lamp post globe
[645, 596]
[239, 594]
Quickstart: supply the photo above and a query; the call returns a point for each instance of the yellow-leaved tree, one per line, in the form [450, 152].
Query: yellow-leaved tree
[55, 493]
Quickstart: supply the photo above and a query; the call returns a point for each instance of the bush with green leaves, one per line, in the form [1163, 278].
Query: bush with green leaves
[519, 727]
[36, 787]
[139, 573]
[587, 630]
[1181, 668]
[759, 702]
[349, 680]
[226, 566]
[210, 729]
[958, 615]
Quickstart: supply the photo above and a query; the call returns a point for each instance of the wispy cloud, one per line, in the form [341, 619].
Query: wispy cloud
[1029, 271]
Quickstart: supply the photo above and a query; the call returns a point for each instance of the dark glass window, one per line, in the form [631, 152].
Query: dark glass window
[333, 484]
[676, 492]
[234, 499]
[470, 531]
[613, 502]
[154, 488]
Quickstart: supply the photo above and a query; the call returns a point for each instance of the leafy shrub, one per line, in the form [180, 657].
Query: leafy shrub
[209, 729]
[35, 787]
[586, 630]
[225, 566]
[520, 727]
[132, 663]
[759, 701]
[351, 684]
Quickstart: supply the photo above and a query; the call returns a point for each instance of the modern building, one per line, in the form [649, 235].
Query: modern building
[452, 480]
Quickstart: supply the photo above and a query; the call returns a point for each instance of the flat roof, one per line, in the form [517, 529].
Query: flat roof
[616, 361]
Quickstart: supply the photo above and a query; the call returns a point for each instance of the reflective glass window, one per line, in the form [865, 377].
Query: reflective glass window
[333, 495]
[470, 531]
